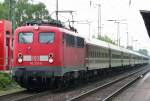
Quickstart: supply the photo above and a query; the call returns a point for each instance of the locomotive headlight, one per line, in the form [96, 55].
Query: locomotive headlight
[51, 56]
[20, 60]
[51, 60]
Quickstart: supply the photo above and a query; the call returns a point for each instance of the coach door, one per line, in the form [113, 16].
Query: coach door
[7, 44]
[64, 48]
[110, 57]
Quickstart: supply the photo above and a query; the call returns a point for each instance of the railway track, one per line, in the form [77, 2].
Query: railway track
[22, 96]
[66, 95]
[107, 91]
[7, 97]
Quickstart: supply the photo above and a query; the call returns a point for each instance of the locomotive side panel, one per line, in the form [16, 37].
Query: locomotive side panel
[73, 52]
[5, 45]
[2, 56]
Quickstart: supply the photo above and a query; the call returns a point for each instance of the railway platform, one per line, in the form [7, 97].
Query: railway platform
[139, 91]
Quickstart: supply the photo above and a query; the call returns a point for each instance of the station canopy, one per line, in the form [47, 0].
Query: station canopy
[146, 17]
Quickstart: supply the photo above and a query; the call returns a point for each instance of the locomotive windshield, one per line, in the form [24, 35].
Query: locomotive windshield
[47, 37]
[26, 37]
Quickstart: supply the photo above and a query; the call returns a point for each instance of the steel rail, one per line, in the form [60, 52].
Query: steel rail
[6, 96]
[115, 93]
[33, 96]
[22, 96]
[76, 98]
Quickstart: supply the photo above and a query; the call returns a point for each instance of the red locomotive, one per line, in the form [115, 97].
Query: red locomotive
[5, 45]
[47, 53]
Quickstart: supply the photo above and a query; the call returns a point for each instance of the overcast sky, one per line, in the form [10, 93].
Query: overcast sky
[111, 10]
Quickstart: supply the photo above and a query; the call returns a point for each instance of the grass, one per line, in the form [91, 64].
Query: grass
[7, 85]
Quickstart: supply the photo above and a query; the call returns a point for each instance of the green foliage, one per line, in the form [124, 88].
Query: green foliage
[23, 10]
[27, 11]
[106, 38]
[3, 11]
[5, 80]
[143, 51]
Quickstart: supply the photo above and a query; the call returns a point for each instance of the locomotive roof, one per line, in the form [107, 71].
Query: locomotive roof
[47, 27]
[52, 22]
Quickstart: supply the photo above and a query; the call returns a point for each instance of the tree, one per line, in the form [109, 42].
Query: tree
[106, 38]
[4, 11]
[23, 11]
[143, 51]
[26, 11]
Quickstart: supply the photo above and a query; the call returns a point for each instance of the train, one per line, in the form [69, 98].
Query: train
[5, 45]
[50, 54]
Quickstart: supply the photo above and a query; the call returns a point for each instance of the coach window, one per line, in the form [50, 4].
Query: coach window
[47, 37]
[26, 37]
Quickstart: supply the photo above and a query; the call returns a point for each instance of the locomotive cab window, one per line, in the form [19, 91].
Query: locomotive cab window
[46, 37]
[26, 37]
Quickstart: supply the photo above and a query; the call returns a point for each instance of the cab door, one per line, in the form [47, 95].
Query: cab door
[7, 48]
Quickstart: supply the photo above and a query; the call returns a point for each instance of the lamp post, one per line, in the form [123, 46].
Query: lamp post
[12, 13]
[118, 22]
[99, 20]
[98, 17]
[134, 41]
[126, 33]
[56, 9]
[68, 11]
[127, 39]
[139, 45]
[118, 31]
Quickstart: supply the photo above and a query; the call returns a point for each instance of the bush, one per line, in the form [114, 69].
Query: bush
[5, 80]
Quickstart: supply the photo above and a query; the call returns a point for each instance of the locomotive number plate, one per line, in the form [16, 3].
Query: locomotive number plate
[35, 58]
[35, 63]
